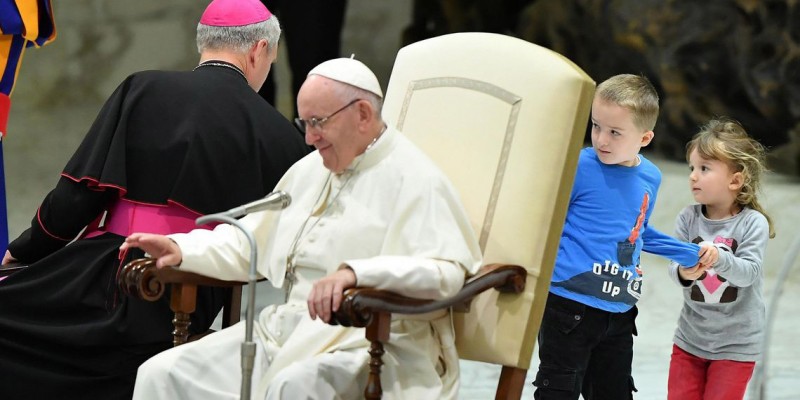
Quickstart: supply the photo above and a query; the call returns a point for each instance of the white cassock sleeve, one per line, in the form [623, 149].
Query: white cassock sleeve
[224, 252]
[410, 276]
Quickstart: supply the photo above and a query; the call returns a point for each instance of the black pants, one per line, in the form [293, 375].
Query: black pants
[584, 350]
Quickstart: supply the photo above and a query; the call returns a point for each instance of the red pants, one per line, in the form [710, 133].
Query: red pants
[695, 378]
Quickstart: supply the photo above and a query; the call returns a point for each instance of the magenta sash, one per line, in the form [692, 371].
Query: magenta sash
[126, 217]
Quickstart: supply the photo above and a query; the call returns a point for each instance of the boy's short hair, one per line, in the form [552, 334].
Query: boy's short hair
[634, 92]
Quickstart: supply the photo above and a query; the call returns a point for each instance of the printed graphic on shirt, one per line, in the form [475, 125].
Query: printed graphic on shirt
[607, 281]
[626, 249]
[620, 281]
[637, 228]
[712, 288]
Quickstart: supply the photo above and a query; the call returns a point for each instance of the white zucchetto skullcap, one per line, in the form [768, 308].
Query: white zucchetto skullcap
[351, 72]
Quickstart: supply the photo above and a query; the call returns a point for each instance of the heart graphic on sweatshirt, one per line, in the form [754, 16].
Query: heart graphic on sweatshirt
[711, 282]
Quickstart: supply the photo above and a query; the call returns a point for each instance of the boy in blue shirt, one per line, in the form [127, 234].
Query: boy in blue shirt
[586, 336]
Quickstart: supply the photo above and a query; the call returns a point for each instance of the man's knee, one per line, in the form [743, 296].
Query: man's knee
[326, 376]
[293, 382]
[156, 369]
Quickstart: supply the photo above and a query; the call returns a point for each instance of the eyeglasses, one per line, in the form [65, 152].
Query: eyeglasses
[318, 122]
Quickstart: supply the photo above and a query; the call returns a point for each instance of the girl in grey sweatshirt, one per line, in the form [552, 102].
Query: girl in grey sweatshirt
[720, 329]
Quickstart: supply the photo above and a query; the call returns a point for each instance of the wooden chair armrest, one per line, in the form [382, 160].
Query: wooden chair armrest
[10, 268]
[359, 304]
[372, 309]
[140, 278]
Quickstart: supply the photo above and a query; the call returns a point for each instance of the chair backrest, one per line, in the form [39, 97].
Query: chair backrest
[505, 120]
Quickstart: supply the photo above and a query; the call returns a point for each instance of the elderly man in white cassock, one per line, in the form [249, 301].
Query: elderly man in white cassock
[368, 209]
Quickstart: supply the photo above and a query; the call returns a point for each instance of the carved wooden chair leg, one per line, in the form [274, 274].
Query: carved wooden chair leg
[180, 335]
[377, 334]
[512, 380]
[183, 302]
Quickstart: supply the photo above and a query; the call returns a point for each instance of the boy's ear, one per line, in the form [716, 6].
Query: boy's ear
[737, 181]
[647, 137]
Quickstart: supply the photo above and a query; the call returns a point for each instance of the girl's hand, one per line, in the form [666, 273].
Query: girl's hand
[709, 254]
[693, 273]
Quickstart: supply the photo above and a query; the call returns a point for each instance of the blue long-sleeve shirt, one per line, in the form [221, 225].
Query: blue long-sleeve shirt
[606, 229]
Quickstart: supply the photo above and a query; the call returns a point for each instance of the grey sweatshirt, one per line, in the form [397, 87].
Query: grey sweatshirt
[723, 314]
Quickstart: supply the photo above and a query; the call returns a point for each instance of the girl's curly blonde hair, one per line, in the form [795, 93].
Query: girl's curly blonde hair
[724, 139]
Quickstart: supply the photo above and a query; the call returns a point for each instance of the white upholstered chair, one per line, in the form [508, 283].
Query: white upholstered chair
[505, 120]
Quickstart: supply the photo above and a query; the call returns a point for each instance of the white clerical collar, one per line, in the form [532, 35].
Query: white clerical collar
[375, 151]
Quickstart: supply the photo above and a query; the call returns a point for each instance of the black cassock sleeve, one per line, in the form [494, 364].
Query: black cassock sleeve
[64, 212]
